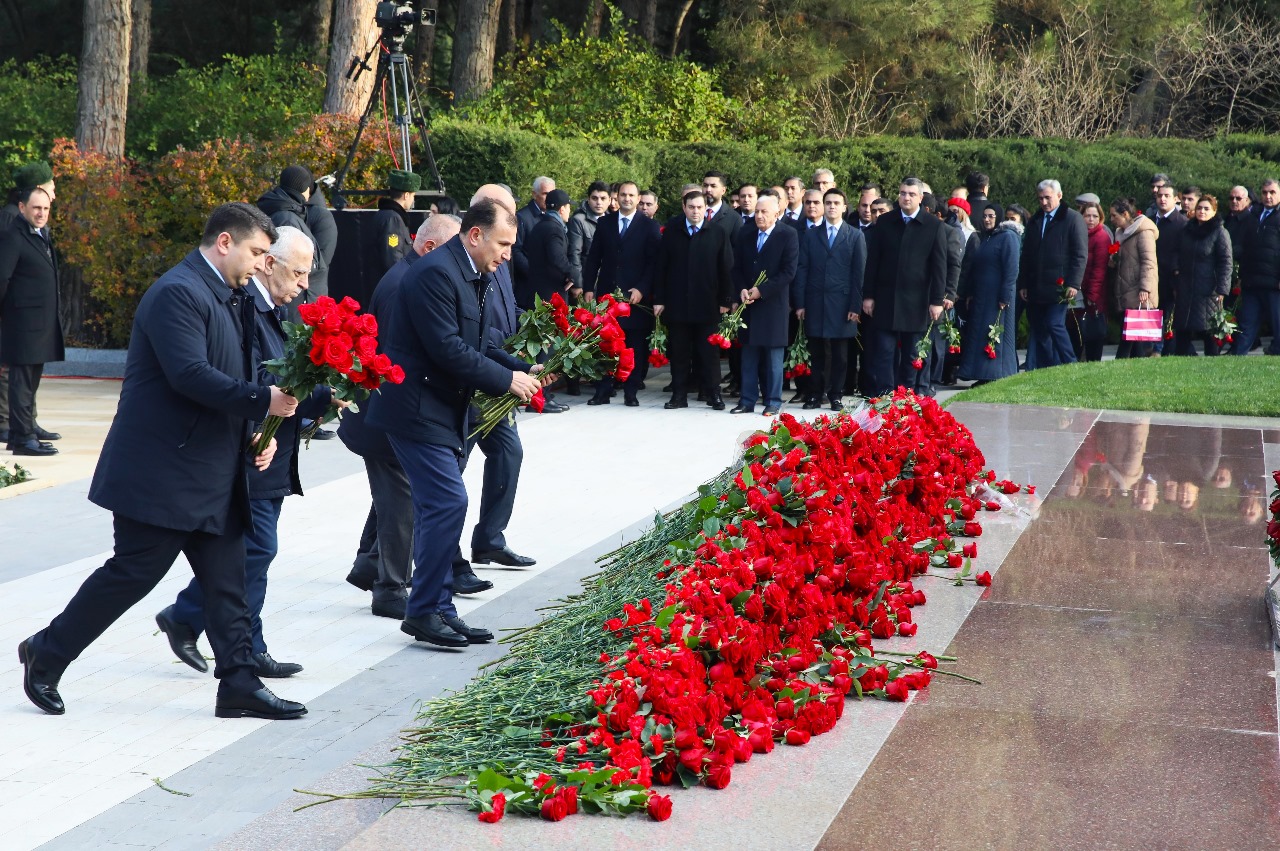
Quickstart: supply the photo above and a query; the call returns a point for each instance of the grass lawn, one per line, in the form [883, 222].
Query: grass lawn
[1247, 387]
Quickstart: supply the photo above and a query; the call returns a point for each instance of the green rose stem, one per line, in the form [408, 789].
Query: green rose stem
[270, 426]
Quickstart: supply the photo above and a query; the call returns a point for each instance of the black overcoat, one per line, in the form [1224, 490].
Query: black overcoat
[1060, 254]
[30, 330]
[906, 271]
[767, 317]
[695, 274]
[828, 283]
[625, 261]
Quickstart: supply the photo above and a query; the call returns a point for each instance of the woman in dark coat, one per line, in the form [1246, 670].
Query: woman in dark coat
[992, 280]
[1204, 278]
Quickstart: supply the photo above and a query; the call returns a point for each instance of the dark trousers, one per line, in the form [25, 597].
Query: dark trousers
[385, 554]
[1049, 335]
[890, 355]
[4, 397]
[439, 514]
[1253, 305]
[830, 363]
[260, 547]
[683, 339]
[143, 555]
[1184, 343]
[24, 381]
[503, 457]
[1088, 332]
[1133, 349]
[637, 341]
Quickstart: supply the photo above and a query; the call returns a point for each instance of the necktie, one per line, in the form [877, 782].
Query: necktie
[760, 241]
[710, 213]
[831, 235]
[626, 223]
[1262, 218]
[693, 230]
[1044, 225]
[279, 312]
[906, 220]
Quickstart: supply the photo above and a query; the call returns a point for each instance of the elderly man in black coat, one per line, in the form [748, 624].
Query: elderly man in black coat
[283, 278]
[438, 332]
[172, 468]
[547, 250]
[692, 288]
[769, 249]
[624, 257]
[1260, 273]
[1054, 251]
[30, 331]
[903, 288]
[827, 297]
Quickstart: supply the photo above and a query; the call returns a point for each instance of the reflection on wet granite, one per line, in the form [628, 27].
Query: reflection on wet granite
[1128, 695]
[953, 778]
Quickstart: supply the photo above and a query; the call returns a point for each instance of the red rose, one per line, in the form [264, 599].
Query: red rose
[1114, 248]
[499, 808]
[970, 550]
[983, 578]
[896, 690]
[972, 528]
[348, 304]
[310, 313]
[718, 776]
[918, 363]
[554, 808]
[659, 807]
[570, 796]
[336, 356]
[538, 402]
[369, 324]
[381, 364]
[907, 629]
[395, 375]
[626, 364]
[796, 736]
[366, 348]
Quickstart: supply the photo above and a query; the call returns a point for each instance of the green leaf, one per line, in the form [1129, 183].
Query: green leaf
[711, 526]
[664, 618]
[687, 778]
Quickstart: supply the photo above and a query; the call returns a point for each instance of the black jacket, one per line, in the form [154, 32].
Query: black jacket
[582, 230]
[387, 239]
[728, 219]
[767, 317]
[1061, 253]
[324, 230]
[624, 262]
[547, 250]
[281, 477]
[1260, 252]
[527, 217]
[828, 283]
[174, 456]
[1204, 271]
[695, 274]
[30, 330]
[437, 332]
[1170, 228]
[906, 271]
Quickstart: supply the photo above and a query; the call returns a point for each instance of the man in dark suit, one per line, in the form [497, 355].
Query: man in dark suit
[1169, 221]
[25, 177]
[906, 276]
[624, 257]
[388, 236]
[692, 288]
[547, 250]
[438, 332]
[1260, 272]
[718, 213]
[793, 209]
[172, 468]
[772, 250]
[283, 278]
[526, 218]
[30, 330]
[827, 297]
[748, 194]
[1054, 249]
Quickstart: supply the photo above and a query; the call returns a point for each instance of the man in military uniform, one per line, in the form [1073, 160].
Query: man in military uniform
[389, 238]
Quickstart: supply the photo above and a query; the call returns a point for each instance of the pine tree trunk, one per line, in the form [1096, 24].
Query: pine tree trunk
[475, 43]
[507, 28]
[104, 77]
[594, 18]
[140, 46]
[354, 32]
[321, 25]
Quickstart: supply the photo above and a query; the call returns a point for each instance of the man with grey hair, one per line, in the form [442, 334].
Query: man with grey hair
[1055, 248]
[823, 179]
[284, 277]
[526, 219]
[1259, 273]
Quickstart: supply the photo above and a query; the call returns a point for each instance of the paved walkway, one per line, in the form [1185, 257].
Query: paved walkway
[87, 780]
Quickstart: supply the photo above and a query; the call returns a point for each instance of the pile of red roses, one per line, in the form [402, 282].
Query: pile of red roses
[335, 346]
[1273, 526]
[771, 612]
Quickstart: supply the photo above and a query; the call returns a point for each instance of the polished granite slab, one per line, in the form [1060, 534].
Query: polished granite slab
[1129, 691]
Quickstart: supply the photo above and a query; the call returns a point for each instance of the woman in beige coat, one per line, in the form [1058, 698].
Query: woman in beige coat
[1134, 265]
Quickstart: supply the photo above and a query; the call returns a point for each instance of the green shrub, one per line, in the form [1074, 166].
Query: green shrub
[37, 103]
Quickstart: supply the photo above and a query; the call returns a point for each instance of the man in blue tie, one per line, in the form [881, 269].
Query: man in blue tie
[1054, 251]
[1260, 273]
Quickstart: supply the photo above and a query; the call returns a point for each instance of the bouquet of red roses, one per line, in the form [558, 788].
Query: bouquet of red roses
[995, 332]
[797, 363]
[584, 342]
[731, 323]
[658, 344]
[334, 346]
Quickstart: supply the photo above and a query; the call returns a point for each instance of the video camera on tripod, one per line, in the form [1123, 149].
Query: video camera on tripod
[396, 19]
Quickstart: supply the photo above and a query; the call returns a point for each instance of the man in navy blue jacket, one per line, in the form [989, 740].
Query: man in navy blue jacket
[284, 277]
[438, 332]
[624, 257]
[172, 468]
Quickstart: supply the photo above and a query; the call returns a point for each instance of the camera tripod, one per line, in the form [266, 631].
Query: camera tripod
[394, 72]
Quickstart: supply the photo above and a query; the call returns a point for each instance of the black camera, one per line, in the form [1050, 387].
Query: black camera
[400, 17]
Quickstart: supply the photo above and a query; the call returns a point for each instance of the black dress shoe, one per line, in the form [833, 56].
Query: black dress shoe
[32, 447]
[553, 407]
[668, 388]
[4, 435]
[41, 434]
[632, 403]
[734, 389]
[504, 556]
[715, 402]
[360, 580]
[836, 405]
[260, 704]
[393, 608]
[324, 434]
[268, 668]
[473, 634]
[182, 640]
[469, 583]
[596, 400]
[812, 404]
[40, 684]
[676, 403]
[433, 630]
[743, 409]
[770, 412]
[799, 397]
[702, 396]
